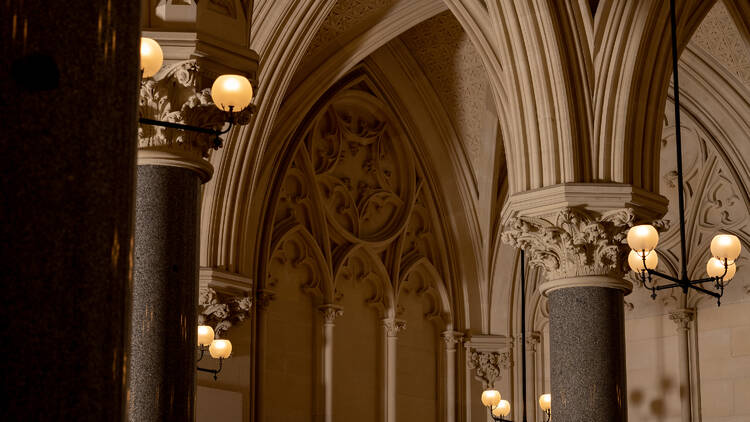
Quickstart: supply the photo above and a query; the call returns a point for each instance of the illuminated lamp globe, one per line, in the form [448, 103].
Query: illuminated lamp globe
[232, 92]
[502, 410]
[205, 335]
[545, 402]
[643, 237]
[726, 246]
[220, 349]
[635, 260]
[151, 57]
[490, 398]
[715, 268]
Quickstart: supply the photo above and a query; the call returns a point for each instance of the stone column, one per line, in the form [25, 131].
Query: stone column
[171, 168]
[330, 313]
[68, 94]
[683, 319]
[532, 394]
[263, 299]
[451, 338]
[391, 328]
[583, 255]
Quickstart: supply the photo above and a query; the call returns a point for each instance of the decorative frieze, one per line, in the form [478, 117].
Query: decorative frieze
[221, 311]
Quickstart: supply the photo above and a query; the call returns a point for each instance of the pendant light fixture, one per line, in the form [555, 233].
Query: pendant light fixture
[725, 248]
[491, 399]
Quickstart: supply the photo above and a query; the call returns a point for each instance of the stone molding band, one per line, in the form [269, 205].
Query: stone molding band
[587, 281]
[161, 157]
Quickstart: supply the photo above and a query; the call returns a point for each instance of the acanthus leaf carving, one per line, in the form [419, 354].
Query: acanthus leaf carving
[221, 311]
[173, 95]
[488, 366]
[574, 242]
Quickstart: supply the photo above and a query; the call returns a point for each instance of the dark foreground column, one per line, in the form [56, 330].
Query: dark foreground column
[68, 93]
[165, 283]
[587, 354]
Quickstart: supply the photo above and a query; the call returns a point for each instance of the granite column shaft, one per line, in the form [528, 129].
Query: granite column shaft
[587, 354]
[68, 97]
[161, 381]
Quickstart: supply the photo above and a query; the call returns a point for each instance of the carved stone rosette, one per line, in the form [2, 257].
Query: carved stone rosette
[175, 95]
[221, 311]
[488, 366]
[574, 242]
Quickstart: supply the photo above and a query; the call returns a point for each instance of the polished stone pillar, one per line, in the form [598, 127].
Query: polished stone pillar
[587, 354]
[583, 254]
[68, 95]
[161, 382]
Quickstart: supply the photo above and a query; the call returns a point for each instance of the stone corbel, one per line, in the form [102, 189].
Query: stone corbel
[488, 357]
[221, 311]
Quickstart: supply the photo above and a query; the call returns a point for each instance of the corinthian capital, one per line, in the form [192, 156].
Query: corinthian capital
[682, 317]
[574, 242]
[177, 95]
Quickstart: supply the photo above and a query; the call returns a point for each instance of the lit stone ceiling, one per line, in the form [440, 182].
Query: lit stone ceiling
[719, 37]
[447, 57]
[347, 19]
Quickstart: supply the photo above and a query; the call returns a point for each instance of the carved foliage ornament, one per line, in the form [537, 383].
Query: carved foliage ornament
[574, 242]
[173, 95]
[488, 366]
[221, 311]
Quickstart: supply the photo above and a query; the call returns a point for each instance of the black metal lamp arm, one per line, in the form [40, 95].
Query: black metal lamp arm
[181, 126]
[213, 371]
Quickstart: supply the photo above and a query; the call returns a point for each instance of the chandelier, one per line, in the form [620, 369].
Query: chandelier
[491, 399]
[230, 93]
[642, 239]
[218, 348]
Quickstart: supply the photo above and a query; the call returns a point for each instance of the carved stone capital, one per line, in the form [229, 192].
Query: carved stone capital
[331, 312]
[532, 340]
[263, 299]
[682, 317]
[574, 242]
[488, 366]
[451, 338]
[175, 95]
[221, 311]
[393, 326]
